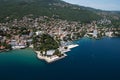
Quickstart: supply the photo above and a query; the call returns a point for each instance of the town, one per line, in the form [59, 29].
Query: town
[50, 37]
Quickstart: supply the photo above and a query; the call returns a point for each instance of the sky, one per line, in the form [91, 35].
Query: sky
[111, 5]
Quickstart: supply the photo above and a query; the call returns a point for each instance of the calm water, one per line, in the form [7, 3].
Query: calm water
[92, 60]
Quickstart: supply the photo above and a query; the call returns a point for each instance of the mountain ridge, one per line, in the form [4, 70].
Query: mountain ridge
[19, 8]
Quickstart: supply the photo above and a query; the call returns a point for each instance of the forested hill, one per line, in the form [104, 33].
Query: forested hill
[19, 8]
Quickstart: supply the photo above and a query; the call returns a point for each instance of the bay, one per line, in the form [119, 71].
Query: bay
[91, 60]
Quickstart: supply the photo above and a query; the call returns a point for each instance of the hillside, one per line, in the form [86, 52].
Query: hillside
[19, 8]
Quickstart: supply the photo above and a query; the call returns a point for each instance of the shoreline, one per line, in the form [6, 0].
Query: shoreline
[5, 50]
[54, 58]
[49, 59]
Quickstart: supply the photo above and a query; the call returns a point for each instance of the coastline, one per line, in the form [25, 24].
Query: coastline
[26, 59]
[5, 50]
[55, 57]
[49, 59]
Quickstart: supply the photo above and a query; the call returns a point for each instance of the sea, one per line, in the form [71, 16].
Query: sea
[91, 60]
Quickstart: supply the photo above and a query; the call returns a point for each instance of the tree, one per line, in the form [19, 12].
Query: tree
[57, 52]
[44, 42]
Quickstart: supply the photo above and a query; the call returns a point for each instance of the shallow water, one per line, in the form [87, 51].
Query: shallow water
[91, 60]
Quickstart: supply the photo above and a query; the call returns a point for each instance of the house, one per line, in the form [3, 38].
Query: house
[39, 32]
[50, 53]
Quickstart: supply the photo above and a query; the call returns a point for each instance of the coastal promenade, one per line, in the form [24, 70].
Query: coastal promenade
[55, 57]
[49, 59]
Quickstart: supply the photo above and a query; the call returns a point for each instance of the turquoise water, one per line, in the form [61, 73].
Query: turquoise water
[92, 60]
[25, 57]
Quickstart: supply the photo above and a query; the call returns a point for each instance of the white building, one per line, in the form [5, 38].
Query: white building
[109, 34]
[39, 32]
[95, 33]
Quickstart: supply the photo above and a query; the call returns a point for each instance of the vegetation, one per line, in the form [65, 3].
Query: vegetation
[58, 53]
[9, 10]
[53, 8]
[44, 42]
[5, 45]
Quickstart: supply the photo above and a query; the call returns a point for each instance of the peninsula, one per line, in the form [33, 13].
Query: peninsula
[50, 27]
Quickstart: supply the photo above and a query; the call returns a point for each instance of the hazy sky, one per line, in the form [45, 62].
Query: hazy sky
[98, 4]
